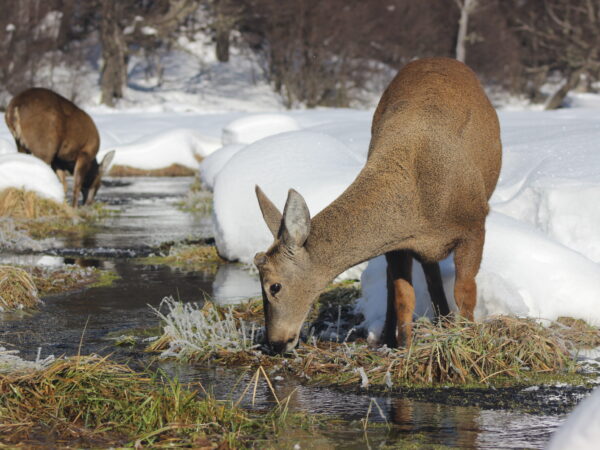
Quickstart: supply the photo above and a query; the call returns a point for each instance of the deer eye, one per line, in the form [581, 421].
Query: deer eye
[274, 288]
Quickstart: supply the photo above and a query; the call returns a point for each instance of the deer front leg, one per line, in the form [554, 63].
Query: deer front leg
[81, 168]
[62, 176]
[467, 259]
[401, 299]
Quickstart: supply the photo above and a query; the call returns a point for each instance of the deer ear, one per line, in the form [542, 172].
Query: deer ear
[269, 211]
[296, 220]
[105, 164]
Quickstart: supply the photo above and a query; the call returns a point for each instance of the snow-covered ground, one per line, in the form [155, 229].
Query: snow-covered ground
[542, 254]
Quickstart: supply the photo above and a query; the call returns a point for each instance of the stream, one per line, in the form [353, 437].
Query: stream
[86, 321]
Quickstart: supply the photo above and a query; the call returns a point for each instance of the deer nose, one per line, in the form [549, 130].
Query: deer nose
[279, 347]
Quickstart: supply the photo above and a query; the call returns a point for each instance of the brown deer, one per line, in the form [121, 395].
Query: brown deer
[55, 130]
[433, 163]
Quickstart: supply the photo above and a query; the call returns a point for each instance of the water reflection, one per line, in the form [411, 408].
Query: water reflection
[234, 284]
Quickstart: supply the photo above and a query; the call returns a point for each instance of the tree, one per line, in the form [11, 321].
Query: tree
[558, 36]
[466, 7]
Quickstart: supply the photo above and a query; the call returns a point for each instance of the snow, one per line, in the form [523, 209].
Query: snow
[176, 146]
[214, 163]
[580, 431]
[289, 160]
[249, 129]
[28, 172]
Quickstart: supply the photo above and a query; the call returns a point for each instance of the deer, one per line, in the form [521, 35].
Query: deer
[433, 162]
[52, 128]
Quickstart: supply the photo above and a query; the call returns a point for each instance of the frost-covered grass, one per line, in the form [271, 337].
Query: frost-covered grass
[197, 200]
[17, 289]
[92, 401]
[501, 350]
[38, 217]
[203, 331]
[12, 363]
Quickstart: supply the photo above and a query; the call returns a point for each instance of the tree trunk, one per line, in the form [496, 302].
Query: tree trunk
[556, 99]
[114, 68]
[466, 8]
[222, 40]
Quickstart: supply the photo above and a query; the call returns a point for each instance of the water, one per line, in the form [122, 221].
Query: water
[85, 321]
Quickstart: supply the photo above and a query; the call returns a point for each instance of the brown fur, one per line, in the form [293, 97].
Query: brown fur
[55, 130]
[434, 160]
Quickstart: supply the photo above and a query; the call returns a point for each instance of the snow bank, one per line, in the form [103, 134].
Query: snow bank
[523, 273]
[176, 146]
[315, 164]
[214, 163]
[255, 127]
[550, 176]
[581, 430]
[23, 171]
[7, 146]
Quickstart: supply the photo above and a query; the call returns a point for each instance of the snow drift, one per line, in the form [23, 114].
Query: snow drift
[315, 164]
[177, 146]
[23, 171]
[249, 129]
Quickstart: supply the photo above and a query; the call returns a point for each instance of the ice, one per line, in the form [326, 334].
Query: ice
[23, 171]
[249, 129]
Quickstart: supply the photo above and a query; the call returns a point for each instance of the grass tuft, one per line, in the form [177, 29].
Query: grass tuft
[174, 170]
[199, 332]
[189, 257]
[91, 401]
[17, 289]
[451, 352]
[40, 217]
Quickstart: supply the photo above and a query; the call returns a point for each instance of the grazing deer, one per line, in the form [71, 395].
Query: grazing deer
[55, 130]
[433, 163]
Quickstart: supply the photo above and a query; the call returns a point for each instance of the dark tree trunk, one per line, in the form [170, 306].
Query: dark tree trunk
[222, 40]
[114, 68]
[556, 100]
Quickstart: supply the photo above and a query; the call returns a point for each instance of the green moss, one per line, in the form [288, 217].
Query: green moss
[105, 278]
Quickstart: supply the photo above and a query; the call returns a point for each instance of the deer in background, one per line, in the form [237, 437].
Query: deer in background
[433, 163]
[62, 135]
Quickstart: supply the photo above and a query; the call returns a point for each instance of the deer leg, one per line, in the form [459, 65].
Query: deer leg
[401, 299]
[435, 286]
[62, 176]
[467, 259]
[81, 168]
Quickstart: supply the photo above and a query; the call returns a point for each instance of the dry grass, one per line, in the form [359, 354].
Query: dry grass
[26, 205]
[577, 332]
[40, 217]
[17, 289]
[189, 257]
[452, 352]
[93, 402]
[174, 170]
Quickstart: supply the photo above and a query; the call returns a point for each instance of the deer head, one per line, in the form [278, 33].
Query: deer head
[94, 177]
[290, 282]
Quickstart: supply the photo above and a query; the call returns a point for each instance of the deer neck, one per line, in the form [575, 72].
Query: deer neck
[373, 216]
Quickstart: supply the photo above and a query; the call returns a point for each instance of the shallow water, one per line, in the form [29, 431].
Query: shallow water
[84, 321]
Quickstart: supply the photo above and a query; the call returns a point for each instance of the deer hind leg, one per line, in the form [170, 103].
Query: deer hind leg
[467, 259]
[81, 168]
[435, 286]
[401, 299]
